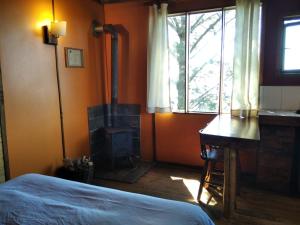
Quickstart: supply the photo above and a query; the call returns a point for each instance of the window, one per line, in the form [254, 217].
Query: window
[201, 46]
[291, 46]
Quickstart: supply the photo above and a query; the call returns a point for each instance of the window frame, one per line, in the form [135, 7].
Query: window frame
[187, 14]
[286, 73]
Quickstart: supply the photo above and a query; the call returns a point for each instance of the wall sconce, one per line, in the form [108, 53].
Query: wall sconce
[52, 33]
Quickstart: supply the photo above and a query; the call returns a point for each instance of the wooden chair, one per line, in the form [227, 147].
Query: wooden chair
[212, 155]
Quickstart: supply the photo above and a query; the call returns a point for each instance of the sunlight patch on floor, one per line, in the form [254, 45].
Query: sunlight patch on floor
[192, 186]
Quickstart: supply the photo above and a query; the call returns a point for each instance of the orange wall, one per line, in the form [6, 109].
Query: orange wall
[81, 87]
[30, 87]
[30, 91]
[132, 62]
[178, 139]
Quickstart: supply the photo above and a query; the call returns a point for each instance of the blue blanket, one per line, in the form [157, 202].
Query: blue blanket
[34, 199]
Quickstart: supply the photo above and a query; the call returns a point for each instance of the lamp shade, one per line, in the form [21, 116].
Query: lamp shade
[59, 28]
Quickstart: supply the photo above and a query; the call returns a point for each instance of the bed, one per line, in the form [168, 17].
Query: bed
[37, 199]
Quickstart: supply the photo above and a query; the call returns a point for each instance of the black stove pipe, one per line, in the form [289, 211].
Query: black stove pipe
[114, 62]
[114, 71]
[109, 28]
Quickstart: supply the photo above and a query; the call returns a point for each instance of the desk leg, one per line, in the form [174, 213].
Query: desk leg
[229, 191]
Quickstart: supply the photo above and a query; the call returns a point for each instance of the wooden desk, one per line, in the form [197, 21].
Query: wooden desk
[231, 133]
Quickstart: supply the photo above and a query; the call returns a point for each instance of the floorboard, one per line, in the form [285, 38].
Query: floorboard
[254, 206]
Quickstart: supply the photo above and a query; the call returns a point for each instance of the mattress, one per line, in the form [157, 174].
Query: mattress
[37, 199]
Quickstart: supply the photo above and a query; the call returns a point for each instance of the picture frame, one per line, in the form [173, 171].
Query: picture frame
[74, 57]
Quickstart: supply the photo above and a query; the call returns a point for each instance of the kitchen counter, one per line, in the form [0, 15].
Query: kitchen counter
[278, 117]
[279, 153]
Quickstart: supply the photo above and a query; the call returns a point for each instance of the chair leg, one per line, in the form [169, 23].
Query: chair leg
[238, 176]
[211, 169]
[209, 199]
[202, 180]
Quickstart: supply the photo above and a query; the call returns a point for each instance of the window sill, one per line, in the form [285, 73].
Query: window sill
[197, 113]
[290, 73]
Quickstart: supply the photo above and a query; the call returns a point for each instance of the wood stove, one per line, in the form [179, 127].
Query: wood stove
[110, 144]
[114, 128]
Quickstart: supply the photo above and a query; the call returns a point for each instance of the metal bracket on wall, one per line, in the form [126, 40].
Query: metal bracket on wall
[95, 25]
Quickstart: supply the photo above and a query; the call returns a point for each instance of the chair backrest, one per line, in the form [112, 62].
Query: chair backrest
[211, 152]
[203, 152]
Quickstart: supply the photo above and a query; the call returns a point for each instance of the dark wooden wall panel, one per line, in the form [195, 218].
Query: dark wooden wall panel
[275, 11]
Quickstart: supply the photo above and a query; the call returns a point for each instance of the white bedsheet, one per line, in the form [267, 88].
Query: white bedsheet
[37, 199]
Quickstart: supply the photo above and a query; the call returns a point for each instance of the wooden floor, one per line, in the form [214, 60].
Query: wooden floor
[254, 207]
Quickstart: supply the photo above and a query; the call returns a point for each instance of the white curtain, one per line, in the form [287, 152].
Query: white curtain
[246, 59]
[158, 90]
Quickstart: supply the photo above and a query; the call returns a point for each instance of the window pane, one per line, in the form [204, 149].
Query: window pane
[229, 34]
[205, 32]
[292, 47]
[177, 33]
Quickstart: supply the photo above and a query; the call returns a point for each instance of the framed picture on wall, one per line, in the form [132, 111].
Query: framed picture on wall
[74, 57]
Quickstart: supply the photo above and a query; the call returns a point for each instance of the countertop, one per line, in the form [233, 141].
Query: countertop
[278, 113]
[279, 117]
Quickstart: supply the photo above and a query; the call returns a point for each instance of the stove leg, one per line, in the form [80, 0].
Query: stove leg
[131, 162]
[112, 165]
